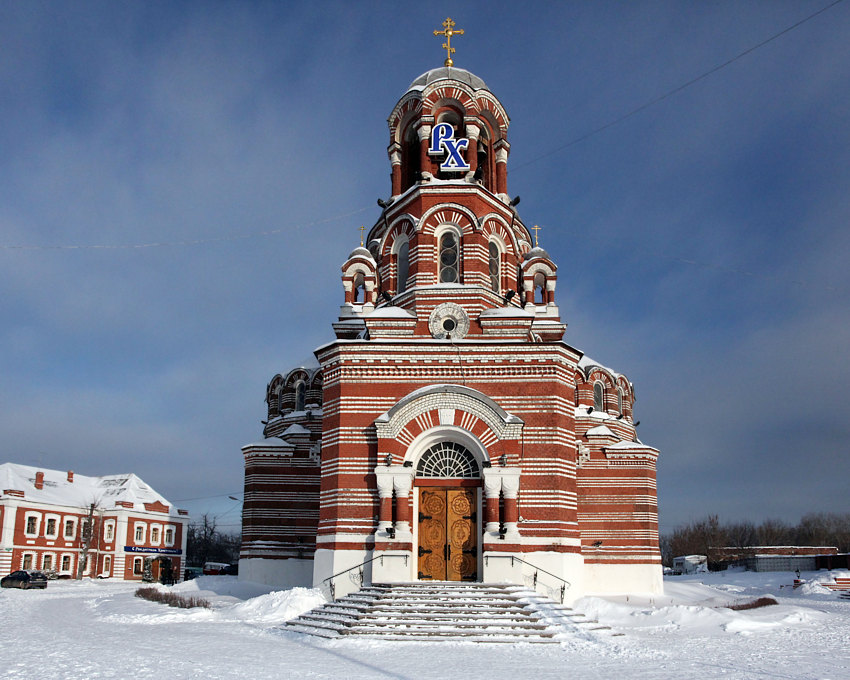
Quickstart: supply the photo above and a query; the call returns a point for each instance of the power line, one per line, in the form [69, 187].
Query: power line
[191, 242]
[203, 498]
[558, 149]
[675, 90]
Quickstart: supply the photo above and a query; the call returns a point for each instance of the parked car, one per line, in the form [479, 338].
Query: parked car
[24, 579]
[192, 572]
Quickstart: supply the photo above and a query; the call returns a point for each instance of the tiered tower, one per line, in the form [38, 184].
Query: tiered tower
[455, 428]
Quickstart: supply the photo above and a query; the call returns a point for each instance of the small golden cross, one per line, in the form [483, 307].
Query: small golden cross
[535, 228]
[361, 235]
[449, 31]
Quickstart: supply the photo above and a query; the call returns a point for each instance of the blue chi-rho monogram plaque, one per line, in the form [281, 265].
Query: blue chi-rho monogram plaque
[443, 138]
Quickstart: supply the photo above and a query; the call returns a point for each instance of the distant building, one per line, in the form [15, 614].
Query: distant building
[116, 526]
[690, 564]
[773, 557]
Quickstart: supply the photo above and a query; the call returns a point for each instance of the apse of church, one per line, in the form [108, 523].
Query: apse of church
[449, 431]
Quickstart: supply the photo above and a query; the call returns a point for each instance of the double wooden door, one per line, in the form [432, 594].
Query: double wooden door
[448, 549]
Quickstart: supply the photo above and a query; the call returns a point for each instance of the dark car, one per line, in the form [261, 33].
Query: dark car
[24, 579]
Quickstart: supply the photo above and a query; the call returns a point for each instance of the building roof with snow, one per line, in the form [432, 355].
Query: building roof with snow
[69, 489]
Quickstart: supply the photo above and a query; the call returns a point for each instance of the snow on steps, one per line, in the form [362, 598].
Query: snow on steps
[475, 612]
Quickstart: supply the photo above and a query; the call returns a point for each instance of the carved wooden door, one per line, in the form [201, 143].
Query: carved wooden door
[447, 535]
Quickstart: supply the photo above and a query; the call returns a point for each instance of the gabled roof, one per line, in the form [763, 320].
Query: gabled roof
[83, 491]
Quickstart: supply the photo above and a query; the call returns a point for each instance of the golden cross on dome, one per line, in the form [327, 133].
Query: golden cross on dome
[361, 235]
[535, 228]
[449, 31]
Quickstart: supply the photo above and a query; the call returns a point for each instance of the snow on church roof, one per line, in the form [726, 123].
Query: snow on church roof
[586, 362]
[81, 492]
[447, 73]
[391, 312]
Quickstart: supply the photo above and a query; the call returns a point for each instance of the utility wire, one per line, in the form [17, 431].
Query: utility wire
[203, 498]
[675, 90]
[192, 242]
[558, 149]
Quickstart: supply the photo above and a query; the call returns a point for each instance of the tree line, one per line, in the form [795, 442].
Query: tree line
[706, 535]
[205, 543]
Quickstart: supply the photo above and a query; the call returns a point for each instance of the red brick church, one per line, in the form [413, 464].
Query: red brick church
[449, 431]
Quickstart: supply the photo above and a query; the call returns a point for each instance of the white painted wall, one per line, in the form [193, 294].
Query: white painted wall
[283, 574]
[610, 579]
[330, 562]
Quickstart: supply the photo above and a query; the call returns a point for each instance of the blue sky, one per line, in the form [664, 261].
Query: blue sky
[702, 242]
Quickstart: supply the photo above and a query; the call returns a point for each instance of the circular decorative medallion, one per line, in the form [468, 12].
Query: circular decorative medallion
[448, 319]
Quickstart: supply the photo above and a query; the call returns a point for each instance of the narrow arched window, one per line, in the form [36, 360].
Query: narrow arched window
[359, 289]
[449, 250]
[619, 399]
[403, 266]
[410, 159]
[539, 289]
[495, 256]
[598, 396]
[300, 389]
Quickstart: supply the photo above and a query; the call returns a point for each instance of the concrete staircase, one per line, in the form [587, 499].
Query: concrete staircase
[428, 611]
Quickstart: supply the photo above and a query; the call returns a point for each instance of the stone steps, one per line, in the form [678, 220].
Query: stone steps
[435, 611]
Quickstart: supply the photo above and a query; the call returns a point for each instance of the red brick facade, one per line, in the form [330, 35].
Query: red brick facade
[450, 343]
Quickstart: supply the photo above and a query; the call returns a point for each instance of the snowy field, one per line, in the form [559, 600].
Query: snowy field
[98, 629]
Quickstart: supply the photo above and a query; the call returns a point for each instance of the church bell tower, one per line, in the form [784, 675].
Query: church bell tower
[462, 439]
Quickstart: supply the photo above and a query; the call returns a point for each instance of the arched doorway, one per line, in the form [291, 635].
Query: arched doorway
[447, 480]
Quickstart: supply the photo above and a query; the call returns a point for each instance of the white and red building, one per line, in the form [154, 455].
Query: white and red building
[116, 526]
[450, 431]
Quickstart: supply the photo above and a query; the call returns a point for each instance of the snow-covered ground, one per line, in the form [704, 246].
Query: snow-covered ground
[98, 629]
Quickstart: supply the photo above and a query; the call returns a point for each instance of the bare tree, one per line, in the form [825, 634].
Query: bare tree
[204, 543]
[87, 533]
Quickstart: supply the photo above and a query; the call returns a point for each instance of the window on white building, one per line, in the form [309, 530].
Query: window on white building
[155, 535]
[109, 531]
[107, 565]
[140, 533]
[169, 536]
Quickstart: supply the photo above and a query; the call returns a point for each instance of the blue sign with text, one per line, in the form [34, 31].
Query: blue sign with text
[161, 551]
[443, 138]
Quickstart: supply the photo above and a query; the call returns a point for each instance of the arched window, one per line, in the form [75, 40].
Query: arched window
[449, 251]
[300, 389]
[495, 257]
[619, 400]
[448, 460]
[359, 294]
[539, 289]
[403, 266]
[410, 158]
[598, 396]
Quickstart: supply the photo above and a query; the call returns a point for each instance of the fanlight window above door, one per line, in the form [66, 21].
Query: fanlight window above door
[448, 459]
